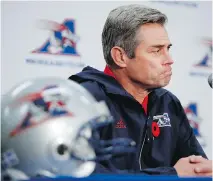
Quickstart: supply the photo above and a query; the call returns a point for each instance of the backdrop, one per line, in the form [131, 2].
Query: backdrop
[32, 33]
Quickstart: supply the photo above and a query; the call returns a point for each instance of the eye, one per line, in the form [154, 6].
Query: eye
[156, 52]
[168, 48]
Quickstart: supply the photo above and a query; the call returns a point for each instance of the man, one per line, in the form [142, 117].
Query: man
[136, 49]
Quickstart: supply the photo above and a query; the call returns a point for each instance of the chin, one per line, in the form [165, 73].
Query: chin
[160, 83]
[163, 84]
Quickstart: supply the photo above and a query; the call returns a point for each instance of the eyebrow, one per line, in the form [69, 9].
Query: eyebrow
[160, 46]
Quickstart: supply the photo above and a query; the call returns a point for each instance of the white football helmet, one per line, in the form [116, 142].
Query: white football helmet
[50, 127]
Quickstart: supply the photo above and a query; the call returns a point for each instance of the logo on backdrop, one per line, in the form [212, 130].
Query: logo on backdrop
[60, 47]
[195, 121]
[204, 65]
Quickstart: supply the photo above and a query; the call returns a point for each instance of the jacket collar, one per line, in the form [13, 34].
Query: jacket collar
[107, 82]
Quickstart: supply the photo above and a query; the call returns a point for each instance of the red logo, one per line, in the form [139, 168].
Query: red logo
[120, 124]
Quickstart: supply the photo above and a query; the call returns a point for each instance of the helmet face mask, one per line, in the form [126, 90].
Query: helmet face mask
[50, 127]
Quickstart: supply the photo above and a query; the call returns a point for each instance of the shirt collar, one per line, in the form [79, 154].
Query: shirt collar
[109, 72]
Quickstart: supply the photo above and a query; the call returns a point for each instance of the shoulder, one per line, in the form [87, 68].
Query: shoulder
[168, 95]
[95, 89]
[170, 99]
[174, 104]
[173, 97]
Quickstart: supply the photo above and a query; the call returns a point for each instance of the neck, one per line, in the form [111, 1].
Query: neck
[133, 88]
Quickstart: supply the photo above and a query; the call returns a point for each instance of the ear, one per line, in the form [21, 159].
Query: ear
[119, 56]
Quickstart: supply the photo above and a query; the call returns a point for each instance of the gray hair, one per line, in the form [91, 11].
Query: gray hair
[121, 27]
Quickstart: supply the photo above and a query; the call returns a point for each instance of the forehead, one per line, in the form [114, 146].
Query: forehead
[152, 34]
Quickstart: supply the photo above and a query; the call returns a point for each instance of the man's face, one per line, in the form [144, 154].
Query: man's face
[152, 63]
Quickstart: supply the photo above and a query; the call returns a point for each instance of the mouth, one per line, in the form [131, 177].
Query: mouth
[168, 72]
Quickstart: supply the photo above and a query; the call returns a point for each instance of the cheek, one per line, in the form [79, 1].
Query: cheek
[145, 67]
[154, 71]
[151, 62]
[155, 67]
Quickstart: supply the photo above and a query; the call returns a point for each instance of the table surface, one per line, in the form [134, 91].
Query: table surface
[126, 178]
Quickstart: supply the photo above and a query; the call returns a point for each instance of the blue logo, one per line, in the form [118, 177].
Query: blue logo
[204, 65]
[194, 120]
[61, 45]
[62, 40]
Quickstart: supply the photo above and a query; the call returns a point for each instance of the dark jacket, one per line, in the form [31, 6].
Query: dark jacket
[155, 155]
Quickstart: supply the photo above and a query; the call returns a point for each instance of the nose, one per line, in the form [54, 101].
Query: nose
[168, 59]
